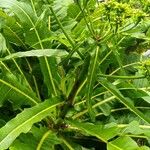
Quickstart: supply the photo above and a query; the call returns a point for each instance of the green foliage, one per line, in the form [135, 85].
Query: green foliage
[74, 75]
[24, 121]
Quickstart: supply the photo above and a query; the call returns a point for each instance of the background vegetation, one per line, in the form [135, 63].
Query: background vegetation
[74, 75]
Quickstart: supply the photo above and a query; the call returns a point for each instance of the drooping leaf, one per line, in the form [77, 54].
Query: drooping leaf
[36, 53]
[127, 102]
[11, 88]
[35, 33]
[23, 122]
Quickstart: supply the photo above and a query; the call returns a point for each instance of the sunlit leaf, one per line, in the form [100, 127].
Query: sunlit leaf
[122, 143]
[146, 98]
[36, 53]
[2, 44]
[23, 122]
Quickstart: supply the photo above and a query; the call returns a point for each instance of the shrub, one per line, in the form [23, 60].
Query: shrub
[73, 75]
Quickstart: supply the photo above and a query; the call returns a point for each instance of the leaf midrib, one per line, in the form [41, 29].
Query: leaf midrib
[19, 91]
[45, 58]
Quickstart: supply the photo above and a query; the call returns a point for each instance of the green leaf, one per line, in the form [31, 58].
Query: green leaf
[101, 132]
[69, 144]
[7, 4]
[106, 109]
[146, 98]
[37, 53]
[133, 128]
[46, 69]
[126, 101]
[12, 31]
[23, 122]
[90, 82]
[84, 70]
[24, 142]
[48, 141]
[39, 138]
[138, 35]
[35, 33]
[14, 90]
[2, 44]
[122, 143]
[61, 6]
[143, 148]
[73, 11]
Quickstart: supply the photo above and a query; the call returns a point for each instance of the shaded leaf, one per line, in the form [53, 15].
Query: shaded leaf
[24, 142]
[11, 88]
[38, 138]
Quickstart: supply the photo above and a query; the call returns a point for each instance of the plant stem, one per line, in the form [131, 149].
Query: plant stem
[122, 77]
[78, 83]
[33, 7]
[85, 19]
[42, 140]
[70, 40]
[136, 63]
[122, 109]
[67, 143]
